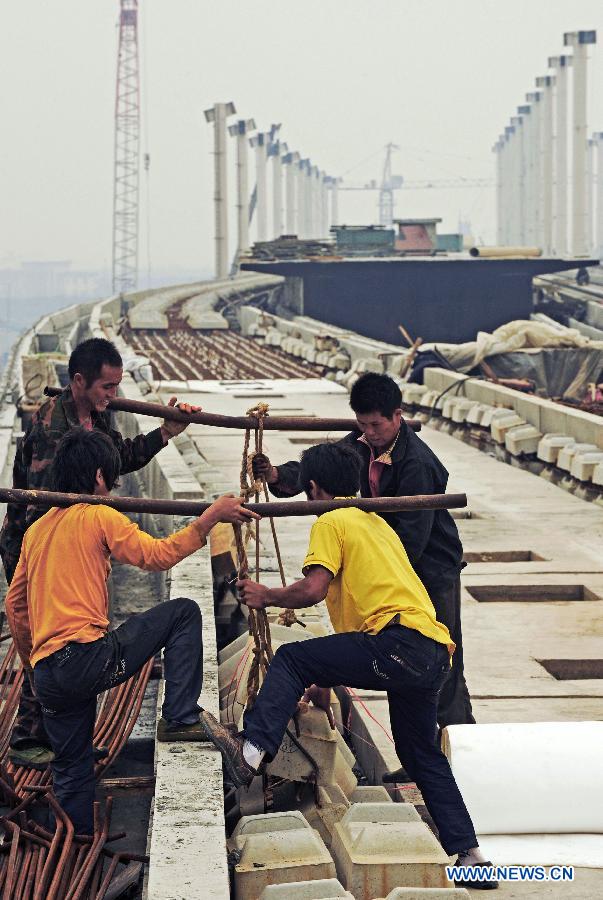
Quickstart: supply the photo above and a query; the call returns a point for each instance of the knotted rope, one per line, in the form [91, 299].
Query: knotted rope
[259, 627]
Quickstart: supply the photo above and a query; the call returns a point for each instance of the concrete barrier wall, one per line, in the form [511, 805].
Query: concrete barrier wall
[545, 415]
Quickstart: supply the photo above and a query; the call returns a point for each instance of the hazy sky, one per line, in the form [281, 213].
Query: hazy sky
[344, 77]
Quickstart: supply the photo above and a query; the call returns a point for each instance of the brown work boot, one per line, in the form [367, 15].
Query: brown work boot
[230, 746]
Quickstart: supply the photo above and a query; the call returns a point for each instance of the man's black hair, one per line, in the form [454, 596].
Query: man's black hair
[90, 356]
[334, 467]
[375, 393]
[79, 454]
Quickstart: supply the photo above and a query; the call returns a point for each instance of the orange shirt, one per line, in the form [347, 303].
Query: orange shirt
[59, 591]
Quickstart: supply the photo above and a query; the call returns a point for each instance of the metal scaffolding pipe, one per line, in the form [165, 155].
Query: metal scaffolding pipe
[579, 40]
[240, 131]
[218, 115]
[561, 65]
[271, 423]
[274, 509]
[504, 252]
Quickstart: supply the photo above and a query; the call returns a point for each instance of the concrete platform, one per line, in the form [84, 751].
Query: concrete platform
[531, 534]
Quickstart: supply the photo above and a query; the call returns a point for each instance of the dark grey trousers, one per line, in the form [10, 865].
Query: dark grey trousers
[68, 681]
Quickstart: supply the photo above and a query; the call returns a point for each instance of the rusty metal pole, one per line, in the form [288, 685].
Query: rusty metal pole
[271, 423]
[276, 509]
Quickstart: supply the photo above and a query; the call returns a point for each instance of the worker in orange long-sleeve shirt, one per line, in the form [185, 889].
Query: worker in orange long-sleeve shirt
[57, 606]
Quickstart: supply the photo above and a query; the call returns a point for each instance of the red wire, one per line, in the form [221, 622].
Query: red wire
[355, 697]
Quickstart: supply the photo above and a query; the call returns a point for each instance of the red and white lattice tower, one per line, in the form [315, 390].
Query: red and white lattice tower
[127, 155]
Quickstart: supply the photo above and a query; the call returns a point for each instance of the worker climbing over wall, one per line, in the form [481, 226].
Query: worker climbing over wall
[387, 638]
[396, 462]
[95, 372]
[59, 615]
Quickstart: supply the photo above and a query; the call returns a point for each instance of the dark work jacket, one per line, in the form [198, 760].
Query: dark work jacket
[430, 536]
[35, 452]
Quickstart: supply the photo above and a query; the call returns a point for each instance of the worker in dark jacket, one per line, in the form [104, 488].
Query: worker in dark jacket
[95, 372]
[396, 462]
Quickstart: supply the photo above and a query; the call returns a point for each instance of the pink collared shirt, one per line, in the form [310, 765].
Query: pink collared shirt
[376, 465]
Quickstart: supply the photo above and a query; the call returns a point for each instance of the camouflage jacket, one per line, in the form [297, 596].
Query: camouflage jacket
[35, 452]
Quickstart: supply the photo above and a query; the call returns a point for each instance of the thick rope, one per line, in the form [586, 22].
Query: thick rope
[259, 627]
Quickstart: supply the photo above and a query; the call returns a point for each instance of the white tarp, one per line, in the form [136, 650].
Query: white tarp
[561, 361]
[518, 335]
[535, 787]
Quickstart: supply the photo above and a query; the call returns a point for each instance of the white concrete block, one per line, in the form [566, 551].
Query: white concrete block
[567, 453]
[428, 399]
[584, 464]
[550, 446]
[493, 413]
[462, 410]
[418, 893]
[522, 440]
[280, 857]
[380, 846]
[598, 475]
[265, 823]
[500, 426]
[413, 393]
[477, 412]
[324, 889]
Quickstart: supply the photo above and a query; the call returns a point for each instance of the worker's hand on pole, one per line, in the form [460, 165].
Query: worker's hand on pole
[252, 594]
[263, 468]
[229, 509]
[321, 698]
[169, 428]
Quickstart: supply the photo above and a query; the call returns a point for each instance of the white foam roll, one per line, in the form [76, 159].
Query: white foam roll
[530, 777]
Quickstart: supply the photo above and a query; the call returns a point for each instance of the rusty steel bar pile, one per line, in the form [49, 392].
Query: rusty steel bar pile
[274, 509]
[38, 864]
[116, 716]
[274, 423]
[23, 868]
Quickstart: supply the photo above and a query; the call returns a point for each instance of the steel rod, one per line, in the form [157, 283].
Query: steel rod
[271, 423]
[276, 509]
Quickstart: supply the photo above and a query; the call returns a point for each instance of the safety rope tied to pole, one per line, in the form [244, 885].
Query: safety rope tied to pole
[259, 627]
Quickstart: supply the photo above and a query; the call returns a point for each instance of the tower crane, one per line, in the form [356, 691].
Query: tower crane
[391, 183]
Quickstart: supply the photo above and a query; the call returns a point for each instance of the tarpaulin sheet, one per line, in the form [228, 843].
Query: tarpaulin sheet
[560, 361]
[534, 790]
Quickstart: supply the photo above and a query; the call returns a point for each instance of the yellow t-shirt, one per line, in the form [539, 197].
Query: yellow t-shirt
[59, 591]
[373, 579]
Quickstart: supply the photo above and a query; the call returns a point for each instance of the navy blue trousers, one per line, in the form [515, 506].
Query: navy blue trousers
[68, 681]
[399, 660]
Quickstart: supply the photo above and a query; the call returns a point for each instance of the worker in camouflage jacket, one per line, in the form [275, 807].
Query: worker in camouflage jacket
[95, 371]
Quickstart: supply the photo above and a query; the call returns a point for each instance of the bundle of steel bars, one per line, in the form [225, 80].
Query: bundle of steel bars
[38, 864]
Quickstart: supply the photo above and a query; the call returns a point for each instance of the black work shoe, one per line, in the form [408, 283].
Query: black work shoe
[174, 731]
[230, 746]
[36, 756]
[475, 884]
[398, 776]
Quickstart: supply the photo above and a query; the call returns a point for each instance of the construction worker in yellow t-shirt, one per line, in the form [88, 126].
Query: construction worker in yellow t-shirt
[387, 638]
[57, 606]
